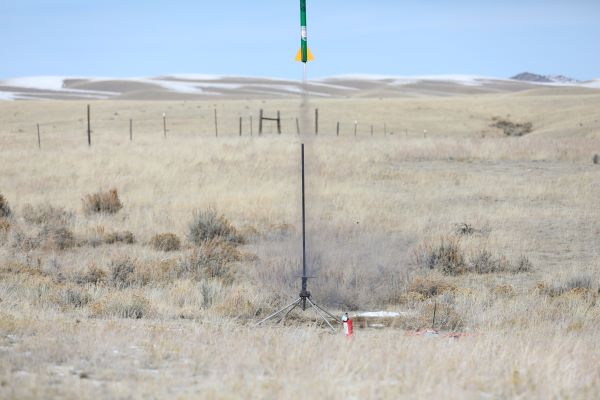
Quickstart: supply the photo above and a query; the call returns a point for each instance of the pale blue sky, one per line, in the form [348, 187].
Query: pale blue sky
[146, 38]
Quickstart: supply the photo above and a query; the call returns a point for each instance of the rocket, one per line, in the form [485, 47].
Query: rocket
[304, 54]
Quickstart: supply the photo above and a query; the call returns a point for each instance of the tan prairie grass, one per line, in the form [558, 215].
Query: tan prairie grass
[106, 316]
[213, 359]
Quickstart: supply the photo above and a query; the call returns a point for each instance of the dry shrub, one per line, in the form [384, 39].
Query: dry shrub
[46, 214]
[4, 229]
[165, 242]
[522, 265]
[484, 262]
[430, 285]
[122, 272]
[446, 256]
[576, 285]
[5, 210]
[504, 290]
[208, 225]
[102, 203]
[98, 235]
[125, 237]
[93, 274]
[212, 260]
[4, 225]
[55, 237]
[121, 305]
[511, 128]
[74, 296]
[596, 159]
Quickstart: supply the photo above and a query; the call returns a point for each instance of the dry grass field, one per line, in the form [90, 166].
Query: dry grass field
[151, 291]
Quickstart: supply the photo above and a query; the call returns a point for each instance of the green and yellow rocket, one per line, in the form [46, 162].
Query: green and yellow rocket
[304, 54]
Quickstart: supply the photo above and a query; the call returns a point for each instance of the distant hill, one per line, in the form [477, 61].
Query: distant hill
[213, 87]
[531, 77]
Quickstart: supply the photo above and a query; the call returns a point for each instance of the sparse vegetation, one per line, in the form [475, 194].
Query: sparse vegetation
[207, 225]
[446, 255]
[430, 285]
[165, 242]
[125, 237]
[91, 306]
[53, 237]
[212, 259]
[5, 210]
[102, 202]
[46, 214]
[512, 128]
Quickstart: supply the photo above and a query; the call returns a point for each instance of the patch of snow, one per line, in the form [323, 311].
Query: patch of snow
[466, 80]
[594, 84]
[196, 77]
[37, 82]
[176, 86]
[379, 314]
[7, 95]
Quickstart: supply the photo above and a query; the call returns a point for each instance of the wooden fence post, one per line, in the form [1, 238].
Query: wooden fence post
[297, 126]
[216, 124]
[89, 127]
[130, 129]
[38, 135]
[240, 126]
[278, 122]
[355, 127]
[260, 122]
[316, 121]
[165, 125]
[384, 129]
[337, 132]
[251, 126]
[371, 130]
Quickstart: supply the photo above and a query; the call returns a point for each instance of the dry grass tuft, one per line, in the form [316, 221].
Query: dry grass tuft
[430, 285]
[447, 318]
[98, 235]
[511, 128]
[93, 274]
[102, 203]
[582, 284]
[208, 225]
[446, 256]
[484, 262]
[125, 237]
[212, 260]
[165, 242]
[122, 304]
[5, 210]
[46, 214]
[74, 296]
[54, 237]
[4, 229]
[122, 273]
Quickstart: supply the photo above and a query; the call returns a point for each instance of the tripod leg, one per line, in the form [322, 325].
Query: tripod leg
[288, 312]
[321, 314]
[327, 312]
[294, 304]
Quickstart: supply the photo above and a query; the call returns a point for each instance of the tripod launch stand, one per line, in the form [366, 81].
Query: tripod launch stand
[304, 300]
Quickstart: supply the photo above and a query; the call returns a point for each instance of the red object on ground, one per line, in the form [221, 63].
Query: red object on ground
[348, 327]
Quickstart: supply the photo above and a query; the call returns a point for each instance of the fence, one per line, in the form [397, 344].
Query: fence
[134, 124]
